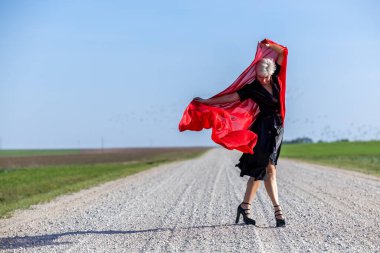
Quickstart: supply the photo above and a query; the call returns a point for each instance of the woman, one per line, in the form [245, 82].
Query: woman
[261, 165]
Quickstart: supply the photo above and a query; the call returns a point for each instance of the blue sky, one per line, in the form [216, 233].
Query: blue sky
[74, 72]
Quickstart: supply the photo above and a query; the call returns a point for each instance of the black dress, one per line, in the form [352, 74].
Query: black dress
[267, 126]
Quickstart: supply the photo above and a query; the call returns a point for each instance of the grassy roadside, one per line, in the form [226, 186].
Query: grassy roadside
[358, 156]
[23, 187]
[37, 152]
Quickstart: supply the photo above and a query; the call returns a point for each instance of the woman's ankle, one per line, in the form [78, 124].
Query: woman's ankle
[245, 205]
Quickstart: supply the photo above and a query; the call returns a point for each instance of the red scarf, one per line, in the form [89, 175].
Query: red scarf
[230, 122]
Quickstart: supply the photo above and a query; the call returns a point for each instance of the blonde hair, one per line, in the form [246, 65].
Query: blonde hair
[265, 67]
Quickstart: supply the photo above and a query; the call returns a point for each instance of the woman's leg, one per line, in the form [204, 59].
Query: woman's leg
[252, 187]
[271, 186]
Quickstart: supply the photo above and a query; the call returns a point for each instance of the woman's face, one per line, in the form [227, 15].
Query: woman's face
[264, 79]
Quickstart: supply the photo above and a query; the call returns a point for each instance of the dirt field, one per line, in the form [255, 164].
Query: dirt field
[89, 156]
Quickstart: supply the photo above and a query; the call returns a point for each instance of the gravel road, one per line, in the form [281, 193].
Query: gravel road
[191, 206]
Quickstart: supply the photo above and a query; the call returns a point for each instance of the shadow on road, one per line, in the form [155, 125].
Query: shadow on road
[44, 240]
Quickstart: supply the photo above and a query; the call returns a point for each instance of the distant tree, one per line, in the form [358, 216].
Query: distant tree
[299, 140]
[343, 140]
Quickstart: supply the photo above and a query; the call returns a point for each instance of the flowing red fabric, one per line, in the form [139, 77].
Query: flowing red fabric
[230, 122]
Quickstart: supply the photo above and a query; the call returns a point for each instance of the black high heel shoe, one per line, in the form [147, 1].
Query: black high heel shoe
[279, 222]
[246, 219]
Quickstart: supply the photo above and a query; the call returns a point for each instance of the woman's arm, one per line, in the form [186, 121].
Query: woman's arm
[275, 48]
[222, 99]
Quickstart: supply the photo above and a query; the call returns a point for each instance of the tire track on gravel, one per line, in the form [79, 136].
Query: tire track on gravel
[335, 198]
[173, 223]
[197, 215]
[355, 218]
[138, 204]
[338, 187]
[179, 213]
[155, 225]
[325, 215]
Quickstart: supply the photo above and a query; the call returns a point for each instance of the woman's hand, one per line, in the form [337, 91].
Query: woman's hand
[276, 48]
[198, 99]
[264, 43]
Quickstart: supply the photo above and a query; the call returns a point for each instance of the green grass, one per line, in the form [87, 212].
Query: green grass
[37, 152]
[359, 156]
[23, 187]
